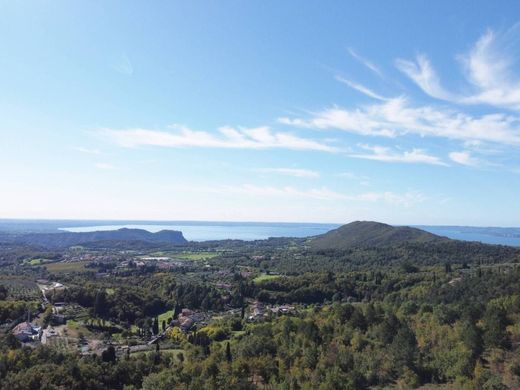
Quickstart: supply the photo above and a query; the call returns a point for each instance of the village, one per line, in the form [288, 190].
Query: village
[68, 327]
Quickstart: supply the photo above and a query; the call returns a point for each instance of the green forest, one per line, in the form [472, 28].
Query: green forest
[275, 314]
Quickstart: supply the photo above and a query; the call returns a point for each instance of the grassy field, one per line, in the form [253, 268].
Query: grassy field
[164, 316]
[196, 255]
[39, 261]
[174, 352]
[187, 255]
[57, 268]
[35, 261]
[264, 277]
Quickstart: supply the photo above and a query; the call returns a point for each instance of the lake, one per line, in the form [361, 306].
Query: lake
[204, 231]
[199, 231]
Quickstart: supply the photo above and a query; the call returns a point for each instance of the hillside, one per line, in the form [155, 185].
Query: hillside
[66, 239]
[370, 234]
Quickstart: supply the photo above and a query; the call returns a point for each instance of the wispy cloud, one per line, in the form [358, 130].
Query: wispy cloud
[488, 67]
[123, 65]
[87, 150]
[423, 74]
[369, 64]
[105, 166]
[361, 88]
[303, 173]
[385, 154]
[363, 180]
[406, 199]
[226, 137]
[347, 175]
[465, 158]
[397, 117]
[354, 121]
[288, 192]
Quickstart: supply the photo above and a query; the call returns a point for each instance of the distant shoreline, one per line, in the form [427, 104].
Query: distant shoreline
[222, 230]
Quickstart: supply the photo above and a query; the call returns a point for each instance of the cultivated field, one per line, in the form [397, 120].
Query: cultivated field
[56, 268]
[21, 288]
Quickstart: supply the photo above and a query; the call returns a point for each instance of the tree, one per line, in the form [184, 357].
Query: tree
[155, 326]
[409, 268]
[176, 311]
[47, 315]
[100, 304]
[472, 339]
[109, 354]
[3, 292]
[495, 322]
[229, 358]
[404, 348]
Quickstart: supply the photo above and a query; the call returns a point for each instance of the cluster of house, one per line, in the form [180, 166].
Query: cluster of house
[187, 318]
[26, 331]
[48, 288]
[58, 318]
[73, 256]
[131, 264]
[162, 263]
[258, 311]
[48, 334]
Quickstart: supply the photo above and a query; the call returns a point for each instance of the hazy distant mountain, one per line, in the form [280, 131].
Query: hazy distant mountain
[371, 234]
[66, 239]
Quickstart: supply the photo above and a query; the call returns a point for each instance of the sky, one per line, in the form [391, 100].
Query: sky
[405, 112]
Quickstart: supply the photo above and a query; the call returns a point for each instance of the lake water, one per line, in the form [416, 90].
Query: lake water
[204, 231]
[488, 235]
[224, 230]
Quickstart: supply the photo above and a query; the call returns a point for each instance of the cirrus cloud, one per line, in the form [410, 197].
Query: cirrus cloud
[386, 154]
[296, 172]
[397, 117]
[226, 137]
[406, 199]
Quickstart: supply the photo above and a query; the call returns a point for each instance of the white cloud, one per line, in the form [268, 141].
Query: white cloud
[407, 199]
[87, 150]
[323, 194]
[347, 175]
[290, 192]
[363, 180]
[227, 137]
[105, 166]
[123, 65]
[464, 158]
[369, 64]
[355, 121]
[488, 67]
[423, 74]
[303, 173]
[361, 88]
[385, 154]
[397, 117]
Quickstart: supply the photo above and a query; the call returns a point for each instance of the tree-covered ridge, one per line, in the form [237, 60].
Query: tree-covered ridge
[67, 239]
[370, 234]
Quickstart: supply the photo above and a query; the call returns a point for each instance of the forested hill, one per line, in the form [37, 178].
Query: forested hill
[66, 239]
[371, 234]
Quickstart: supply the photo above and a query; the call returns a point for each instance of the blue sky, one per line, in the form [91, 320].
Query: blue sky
[402, 112]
